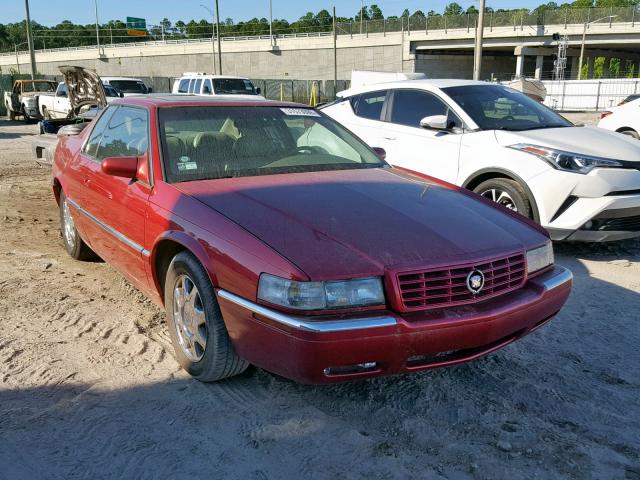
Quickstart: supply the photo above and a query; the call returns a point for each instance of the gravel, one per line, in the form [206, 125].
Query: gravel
[89, 387]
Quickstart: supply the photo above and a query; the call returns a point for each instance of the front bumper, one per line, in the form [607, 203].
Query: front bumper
[609, 225]
[329, 350]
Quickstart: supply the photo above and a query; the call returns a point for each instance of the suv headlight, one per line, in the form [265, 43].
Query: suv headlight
[360, 292]
[568, 161]
[539, 258]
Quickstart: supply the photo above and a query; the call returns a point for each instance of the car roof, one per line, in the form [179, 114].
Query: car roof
[423, 84]
[205, 75]
[121, 78]
[181, 100]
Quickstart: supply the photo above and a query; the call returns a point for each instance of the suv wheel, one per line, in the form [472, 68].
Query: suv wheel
[507, 193]
[198, 333]
[631, 133]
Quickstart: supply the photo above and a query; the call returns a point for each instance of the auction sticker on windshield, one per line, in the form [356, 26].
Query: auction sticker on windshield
[305, 112]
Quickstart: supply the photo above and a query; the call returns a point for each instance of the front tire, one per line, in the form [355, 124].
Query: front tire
[198, 333]
[73, 244]
[507, 193]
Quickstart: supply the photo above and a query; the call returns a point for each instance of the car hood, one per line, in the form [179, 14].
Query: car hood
[587, 140]
[84, 87]
[349, 223]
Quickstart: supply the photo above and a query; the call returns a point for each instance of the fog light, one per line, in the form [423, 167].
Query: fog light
[349, 369]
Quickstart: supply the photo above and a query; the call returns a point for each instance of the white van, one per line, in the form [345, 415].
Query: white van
[196, 83]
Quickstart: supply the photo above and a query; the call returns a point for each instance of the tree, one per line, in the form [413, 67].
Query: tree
[418, 14]
[406, 13]
[363, 14]
[472, 10]
[323, 19]
[375, 13]
[453, 9]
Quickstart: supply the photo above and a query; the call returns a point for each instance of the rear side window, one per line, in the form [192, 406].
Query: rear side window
[369, 105]
[207, 89]
[126, 135]
[183, 86]
[91, 147]
[196, 89]
[411, 106]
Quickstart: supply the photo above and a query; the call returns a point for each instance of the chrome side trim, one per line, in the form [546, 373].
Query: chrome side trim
[303, 323]
[556, 278]
[112, 231]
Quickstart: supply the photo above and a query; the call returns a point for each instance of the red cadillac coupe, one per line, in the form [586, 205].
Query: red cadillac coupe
[274, 236]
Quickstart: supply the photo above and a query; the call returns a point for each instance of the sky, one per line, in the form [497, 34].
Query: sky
[82, 11]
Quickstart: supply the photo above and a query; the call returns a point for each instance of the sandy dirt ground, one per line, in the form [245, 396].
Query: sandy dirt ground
[89, 387]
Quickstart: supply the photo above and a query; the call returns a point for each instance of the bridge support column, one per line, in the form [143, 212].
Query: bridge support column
[539, 62]
[605, 67]
[590, 65]
[519, 66]
[574, 67]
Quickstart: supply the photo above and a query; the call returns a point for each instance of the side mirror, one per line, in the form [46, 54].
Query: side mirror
[380, 152]
[121, 94]
[435, 122]
[125, 167]
[258, 90]
[149, 89]
[206, 90]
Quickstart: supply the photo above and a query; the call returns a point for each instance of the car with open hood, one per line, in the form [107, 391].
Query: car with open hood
[273, 236]
[581, 183]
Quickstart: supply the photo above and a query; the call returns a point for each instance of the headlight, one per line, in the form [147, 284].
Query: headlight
[360, 292]
[539, 258]
[571, 162]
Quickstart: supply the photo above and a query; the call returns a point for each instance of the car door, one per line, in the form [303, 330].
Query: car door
[61, 102]
[117, 205]
[408, 145]
[363, 114]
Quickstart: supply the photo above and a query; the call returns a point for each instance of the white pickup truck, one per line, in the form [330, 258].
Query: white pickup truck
[57, 105]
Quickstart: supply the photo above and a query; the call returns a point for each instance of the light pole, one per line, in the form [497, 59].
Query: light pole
[271, 21]
[218, 30]
[477, 63]
[32, 54]
[213, 43]
[95, 4]
[584, 35]
[361, 14]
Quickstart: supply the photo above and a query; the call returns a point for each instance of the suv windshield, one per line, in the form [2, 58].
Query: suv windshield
[494, 107]
[233, 86]
[128, 86]
[220, 142]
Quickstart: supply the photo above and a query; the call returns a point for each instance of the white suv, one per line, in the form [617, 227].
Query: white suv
[581, 183]
[203, 84]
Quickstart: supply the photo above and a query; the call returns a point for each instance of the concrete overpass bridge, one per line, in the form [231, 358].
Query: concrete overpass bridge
[437, 46]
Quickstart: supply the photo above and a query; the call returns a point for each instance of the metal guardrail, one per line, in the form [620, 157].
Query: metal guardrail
[517, 20]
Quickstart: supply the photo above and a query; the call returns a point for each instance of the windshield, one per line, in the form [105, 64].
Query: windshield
[220, 142]
[128, 86]
[233, 86]
[494, 107]
[39, 86]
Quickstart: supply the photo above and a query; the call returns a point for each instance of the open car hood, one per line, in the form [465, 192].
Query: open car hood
[85, 88]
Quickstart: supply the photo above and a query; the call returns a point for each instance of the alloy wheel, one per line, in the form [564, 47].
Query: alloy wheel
[500, 196]
[189, 318]
[69, 227]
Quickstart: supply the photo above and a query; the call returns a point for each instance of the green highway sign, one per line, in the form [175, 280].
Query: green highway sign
[136, 27]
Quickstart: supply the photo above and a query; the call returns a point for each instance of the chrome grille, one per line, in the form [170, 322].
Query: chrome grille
[444, 287]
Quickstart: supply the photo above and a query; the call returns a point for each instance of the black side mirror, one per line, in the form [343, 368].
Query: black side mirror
[258, 90]
[149, 89]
